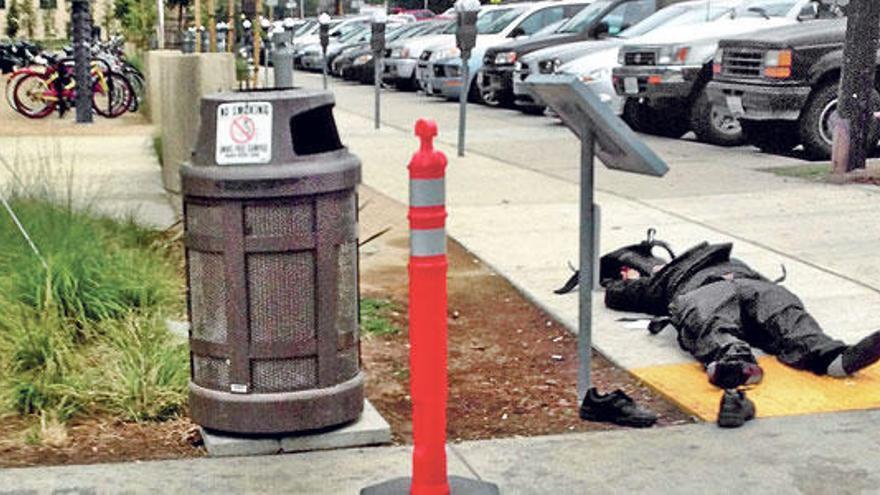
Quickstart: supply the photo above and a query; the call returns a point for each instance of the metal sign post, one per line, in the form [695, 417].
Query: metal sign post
[377, 42]
[466, 39]
[324, 36]
[602, 135]
[82, 38]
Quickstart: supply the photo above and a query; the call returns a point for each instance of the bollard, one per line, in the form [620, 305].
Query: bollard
[282, 58]
[427, 329]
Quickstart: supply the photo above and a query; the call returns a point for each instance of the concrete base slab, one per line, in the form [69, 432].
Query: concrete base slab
[370, 429]
[457, 486]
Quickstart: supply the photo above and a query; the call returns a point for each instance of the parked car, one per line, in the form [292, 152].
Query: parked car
[517, 24]
[313, 55]
[356, 62]
[668, 73]
[593, 60]
[338, 28]
[601, 19]
[783, 86]
[402, 57]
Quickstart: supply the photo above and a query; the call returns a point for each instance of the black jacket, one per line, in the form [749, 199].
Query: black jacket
[701, 265]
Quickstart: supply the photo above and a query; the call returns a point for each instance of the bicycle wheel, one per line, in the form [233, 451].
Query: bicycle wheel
[136, 80]
[112, 98]
[31, 97]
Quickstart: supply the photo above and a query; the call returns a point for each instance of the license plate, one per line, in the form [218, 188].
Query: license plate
[735, 105]
[630, 85]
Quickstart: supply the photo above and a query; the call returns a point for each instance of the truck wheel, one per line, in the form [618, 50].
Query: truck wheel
[714, 124]
[773, 136]
[633, 115]
[819, 117]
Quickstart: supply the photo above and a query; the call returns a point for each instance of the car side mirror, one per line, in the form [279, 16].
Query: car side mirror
[809, 12]
[335, 35]
[517, 31]
[600, 30]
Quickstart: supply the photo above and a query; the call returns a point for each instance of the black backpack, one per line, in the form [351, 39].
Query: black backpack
[639, 257]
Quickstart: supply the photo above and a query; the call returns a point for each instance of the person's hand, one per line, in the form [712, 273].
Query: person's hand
[627, 273]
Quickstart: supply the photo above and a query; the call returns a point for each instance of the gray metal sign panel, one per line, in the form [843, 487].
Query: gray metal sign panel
[580, 110]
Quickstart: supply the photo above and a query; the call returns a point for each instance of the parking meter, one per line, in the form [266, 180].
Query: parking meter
[222, 32]
[465, 38]
[377, 43]
[324, 36]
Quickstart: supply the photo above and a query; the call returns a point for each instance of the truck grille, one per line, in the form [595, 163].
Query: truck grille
[742, 62]
[640, 58]
[524, 72]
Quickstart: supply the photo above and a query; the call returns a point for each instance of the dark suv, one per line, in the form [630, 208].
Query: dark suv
[783, 86]
[601, 19]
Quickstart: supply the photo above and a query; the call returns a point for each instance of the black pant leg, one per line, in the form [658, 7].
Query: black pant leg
[776, 321]
[709, 324]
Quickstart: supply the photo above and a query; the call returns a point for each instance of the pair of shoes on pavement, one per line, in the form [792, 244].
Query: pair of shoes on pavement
[615, 407]
[735, 409]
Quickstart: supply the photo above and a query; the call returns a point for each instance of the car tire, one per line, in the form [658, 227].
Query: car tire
[664, 123]
[634, 115]
[533, 109]
[410, 84]
[771, 136]
[714, 124]
[817, 122]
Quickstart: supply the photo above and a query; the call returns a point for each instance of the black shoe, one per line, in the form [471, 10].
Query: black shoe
[734, 374]
[735, 409]
[617, 408]
[863, 354]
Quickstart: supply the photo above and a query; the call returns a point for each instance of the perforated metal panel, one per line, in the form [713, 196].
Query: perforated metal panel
[207, 296]
[281, 296]
[348, 362]
[211, 372]
[204, 219]
[284, 375]
[279, 220]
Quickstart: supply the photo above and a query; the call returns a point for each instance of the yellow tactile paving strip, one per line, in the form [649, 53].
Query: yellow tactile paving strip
[783, 392]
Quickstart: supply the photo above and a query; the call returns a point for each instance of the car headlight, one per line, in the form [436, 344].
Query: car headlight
[621, 57]
[447, 53]
[673, 55]
[505, 58]
[600, 74]
[778, 64]
[363, 59]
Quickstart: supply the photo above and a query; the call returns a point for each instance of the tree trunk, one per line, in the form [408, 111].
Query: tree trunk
[857, 86]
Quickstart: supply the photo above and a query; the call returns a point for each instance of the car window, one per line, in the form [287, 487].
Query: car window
[585, 17]
[772, 8]
[616, 19]
[494, 21]
[679, 15]
[533, 23]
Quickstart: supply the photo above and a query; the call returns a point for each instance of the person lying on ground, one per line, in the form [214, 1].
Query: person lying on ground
[722, 308]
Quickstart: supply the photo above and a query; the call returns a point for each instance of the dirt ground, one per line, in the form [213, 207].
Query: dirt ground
[512, 368]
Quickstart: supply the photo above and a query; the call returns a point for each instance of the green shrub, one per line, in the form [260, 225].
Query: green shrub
[85, 333]
[376, 317]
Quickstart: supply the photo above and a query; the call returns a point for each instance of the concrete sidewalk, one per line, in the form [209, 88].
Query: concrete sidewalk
[803, 455]
[513, 201]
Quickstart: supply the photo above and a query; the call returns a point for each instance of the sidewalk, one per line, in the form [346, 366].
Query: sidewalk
[513, 201]
[807, 454]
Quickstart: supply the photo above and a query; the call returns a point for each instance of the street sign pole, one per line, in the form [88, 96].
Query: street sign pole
[377, 42]
[603, 135]
[465, 38]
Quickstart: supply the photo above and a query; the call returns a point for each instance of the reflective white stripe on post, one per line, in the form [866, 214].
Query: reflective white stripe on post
[427, 192]
[431, 242]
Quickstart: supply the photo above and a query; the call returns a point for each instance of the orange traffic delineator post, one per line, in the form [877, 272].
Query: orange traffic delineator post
[427, 330]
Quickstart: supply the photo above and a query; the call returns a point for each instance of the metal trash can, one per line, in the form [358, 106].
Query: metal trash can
[270, 214]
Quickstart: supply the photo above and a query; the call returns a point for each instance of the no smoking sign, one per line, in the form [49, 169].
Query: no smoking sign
[244, 133]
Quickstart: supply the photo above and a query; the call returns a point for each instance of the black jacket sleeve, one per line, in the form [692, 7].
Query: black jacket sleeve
[632, 295]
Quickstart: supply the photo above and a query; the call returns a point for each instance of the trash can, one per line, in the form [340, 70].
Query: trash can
[270, 215]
